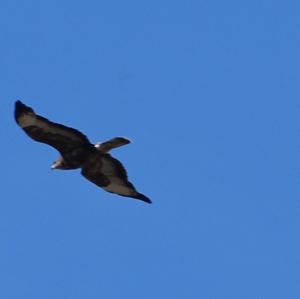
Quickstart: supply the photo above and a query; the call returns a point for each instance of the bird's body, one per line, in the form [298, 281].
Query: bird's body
[96, 164]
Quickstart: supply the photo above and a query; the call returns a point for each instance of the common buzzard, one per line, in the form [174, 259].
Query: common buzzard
[96, 164]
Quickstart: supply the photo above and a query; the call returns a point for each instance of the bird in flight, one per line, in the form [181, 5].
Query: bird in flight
[96, 164]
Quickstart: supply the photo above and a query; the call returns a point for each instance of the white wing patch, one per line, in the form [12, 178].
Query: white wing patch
[116, 184]
[30, 119]
[108, 168]
[119, 188]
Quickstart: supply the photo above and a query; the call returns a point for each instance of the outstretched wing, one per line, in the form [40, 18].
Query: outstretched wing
[109, 174]
[42, 130]
[108, 145]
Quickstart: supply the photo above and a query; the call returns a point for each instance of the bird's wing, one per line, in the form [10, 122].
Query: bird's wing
[108, 145]
[42, 130]
[109, 174]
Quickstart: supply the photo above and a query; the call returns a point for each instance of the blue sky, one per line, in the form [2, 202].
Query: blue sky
[208, 91]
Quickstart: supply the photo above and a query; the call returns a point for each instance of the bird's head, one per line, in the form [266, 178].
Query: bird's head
[59, 164]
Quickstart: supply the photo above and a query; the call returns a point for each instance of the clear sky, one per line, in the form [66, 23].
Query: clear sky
[208, 91]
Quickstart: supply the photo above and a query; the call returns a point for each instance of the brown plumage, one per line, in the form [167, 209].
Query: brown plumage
[96, 164]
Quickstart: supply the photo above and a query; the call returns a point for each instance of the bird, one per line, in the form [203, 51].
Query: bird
[76, 151]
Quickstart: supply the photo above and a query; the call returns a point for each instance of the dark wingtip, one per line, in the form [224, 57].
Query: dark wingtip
[21, 108]
[142, 197]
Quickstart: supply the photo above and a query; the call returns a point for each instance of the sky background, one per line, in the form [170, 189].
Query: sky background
[208, 92]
